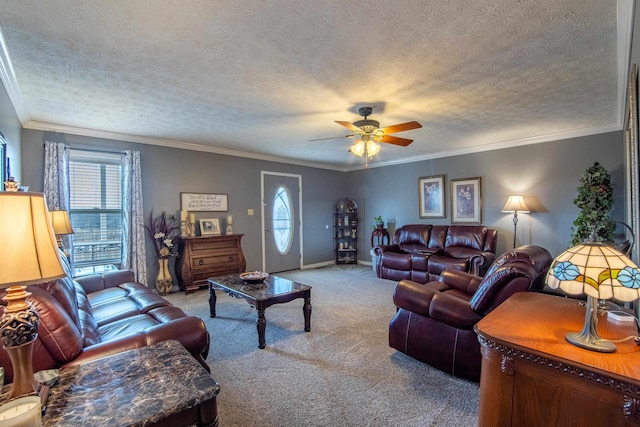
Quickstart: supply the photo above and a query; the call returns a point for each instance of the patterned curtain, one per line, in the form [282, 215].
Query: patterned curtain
[133, 245]
[56, 181]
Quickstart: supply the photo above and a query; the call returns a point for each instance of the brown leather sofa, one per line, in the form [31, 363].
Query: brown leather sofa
[99, 315]
[420, 252]
[434, 321]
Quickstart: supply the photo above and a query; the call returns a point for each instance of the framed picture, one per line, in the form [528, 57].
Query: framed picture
[210, 227]
[204, 202]
[466, 200]
[431, 198]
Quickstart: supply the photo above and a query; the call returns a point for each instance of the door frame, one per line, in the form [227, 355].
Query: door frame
[262, 230]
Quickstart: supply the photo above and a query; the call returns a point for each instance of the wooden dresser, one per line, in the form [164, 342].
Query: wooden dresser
[208, 256]
[531, 376]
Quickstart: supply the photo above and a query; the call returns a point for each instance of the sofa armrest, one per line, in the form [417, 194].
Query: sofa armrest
[453, 311]
[429, 302]
[108, 348]
[111, 279]
[465, 282]
[479, 263]
[380, 249]
[413, 296]
[190, 331]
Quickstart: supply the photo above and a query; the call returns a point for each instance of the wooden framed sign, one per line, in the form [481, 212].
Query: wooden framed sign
[204, 202]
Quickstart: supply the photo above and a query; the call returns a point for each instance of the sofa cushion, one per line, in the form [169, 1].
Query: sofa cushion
[413, 234]
[124, 301]
[466, 237]
[438, 236]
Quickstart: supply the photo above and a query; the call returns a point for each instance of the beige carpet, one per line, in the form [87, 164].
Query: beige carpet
[342, 373]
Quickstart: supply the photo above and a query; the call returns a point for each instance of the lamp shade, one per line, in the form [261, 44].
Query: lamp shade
[515, 204]
[597, 270]
[60, 221]
[31, 256]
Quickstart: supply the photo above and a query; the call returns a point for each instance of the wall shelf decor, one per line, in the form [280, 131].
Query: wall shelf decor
[345, 224]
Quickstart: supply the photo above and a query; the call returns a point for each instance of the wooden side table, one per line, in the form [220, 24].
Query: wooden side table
[159, 385]
[379, 235]
[531, 375]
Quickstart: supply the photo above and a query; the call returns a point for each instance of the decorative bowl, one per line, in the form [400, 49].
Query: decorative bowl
[253, 277]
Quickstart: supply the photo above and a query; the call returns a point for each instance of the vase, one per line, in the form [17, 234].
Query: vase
[164, 283]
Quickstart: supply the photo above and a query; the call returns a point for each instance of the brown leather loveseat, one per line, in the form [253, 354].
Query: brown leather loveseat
[99, 315]
[434, 321]
[420, 252]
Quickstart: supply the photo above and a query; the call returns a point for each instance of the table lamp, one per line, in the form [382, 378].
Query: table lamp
[61, 226]
[600, 272]
[33, 258]
[514, 205]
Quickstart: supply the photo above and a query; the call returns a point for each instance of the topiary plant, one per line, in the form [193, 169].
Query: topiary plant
[595, 201]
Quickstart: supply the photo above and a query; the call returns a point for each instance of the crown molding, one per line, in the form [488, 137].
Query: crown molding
[8, 77]
[52, 127]
[558, 136]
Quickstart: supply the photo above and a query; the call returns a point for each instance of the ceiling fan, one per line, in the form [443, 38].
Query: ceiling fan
[370, 132]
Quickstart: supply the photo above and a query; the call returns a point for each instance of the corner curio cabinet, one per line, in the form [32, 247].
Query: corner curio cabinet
[345, 224]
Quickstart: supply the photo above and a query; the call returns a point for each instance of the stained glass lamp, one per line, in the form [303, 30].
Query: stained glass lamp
[600, 272]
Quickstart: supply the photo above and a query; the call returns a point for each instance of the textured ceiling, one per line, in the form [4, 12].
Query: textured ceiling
[263, 77]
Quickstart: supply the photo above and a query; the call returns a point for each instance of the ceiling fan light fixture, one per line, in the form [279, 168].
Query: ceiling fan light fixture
[372, 148]
[358, 148]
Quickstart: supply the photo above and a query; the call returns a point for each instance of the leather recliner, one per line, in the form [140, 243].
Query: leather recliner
[434, 321]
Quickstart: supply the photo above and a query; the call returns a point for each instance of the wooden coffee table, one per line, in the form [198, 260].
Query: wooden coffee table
[274, 290]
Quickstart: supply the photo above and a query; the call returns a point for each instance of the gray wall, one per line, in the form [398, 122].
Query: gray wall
[545, 174]
[10, 128]
[169, 171]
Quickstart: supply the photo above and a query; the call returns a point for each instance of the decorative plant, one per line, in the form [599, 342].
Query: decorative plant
[595, 201]
[379, 221]
[162, 231]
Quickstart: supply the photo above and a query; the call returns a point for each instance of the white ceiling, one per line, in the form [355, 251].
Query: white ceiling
[260, 78]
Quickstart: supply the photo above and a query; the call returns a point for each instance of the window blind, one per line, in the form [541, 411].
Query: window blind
[95, 208]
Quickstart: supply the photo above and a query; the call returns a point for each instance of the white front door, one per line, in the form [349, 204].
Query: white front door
[282, 223]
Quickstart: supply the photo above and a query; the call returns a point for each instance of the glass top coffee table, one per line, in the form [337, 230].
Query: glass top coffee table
[274, 290]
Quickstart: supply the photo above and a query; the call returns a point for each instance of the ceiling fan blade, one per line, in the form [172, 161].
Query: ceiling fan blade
[334, 137]
[401, 127]
[394, 140]
[350, 126]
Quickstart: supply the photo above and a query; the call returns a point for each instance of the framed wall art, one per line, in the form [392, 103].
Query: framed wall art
[431, 197]
[466, 200]
[210, 227]
[204, 202]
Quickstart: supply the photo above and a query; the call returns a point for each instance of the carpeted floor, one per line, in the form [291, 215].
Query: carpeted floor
[342, 373]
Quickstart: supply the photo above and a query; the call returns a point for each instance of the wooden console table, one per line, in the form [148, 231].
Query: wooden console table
[207, 256]
[531, 376]
[159, 385]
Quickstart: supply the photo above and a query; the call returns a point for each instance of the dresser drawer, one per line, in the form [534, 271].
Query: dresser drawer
[225, 245]
[209, 262]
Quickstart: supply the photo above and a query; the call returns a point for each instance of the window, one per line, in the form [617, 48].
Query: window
[282, 220]
[95, 209]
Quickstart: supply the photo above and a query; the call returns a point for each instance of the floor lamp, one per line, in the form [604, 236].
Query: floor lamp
[32, 258]
[514, 205]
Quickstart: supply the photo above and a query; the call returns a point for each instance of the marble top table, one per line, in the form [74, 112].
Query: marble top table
[273, 290]
[160, 385]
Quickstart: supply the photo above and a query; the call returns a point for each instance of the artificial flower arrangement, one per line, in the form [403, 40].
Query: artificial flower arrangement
[162, 231]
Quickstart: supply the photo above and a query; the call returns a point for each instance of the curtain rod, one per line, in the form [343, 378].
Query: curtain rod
[94, 150]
